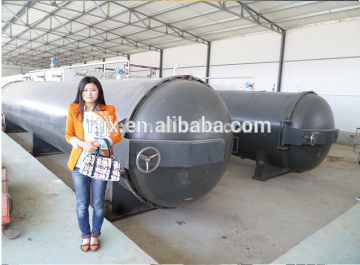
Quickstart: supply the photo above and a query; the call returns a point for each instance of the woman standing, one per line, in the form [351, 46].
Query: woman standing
[90, 97]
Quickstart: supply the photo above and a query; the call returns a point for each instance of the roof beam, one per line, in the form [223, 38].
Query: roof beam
[286, 19]
[94, 28]
[255, 17]
[72, 42]
[148, 47]
[277, 21]
[140, 19]
[216, 9]
[60, 23]
[97, 33]
[79, 49]
[325, 12]
[280, 8]
[49, 15]
[180, 20]
[46, 42]
[142, 22]
[174, 28]
[18, 14]
[37, 22]
[102, 11]
[157, 14]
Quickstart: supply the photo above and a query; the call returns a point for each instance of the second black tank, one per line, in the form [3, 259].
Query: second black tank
[301, 133]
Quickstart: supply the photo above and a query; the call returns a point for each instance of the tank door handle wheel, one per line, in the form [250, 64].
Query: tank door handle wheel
[313, 138]
[147, 159]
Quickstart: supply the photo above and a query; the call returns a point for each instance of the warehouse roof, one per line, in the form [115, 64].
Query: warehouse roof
[78, 31]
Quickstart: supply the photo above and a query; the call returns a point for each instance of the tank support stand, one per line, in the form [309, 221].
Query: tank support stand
[40, 147]
[11, 127]
[124, 203]
[265, 170]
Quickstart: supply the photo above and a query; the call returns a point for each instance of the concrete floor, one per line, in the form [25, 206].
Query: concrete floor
[241, 220]
[336, 243]
[45, 214]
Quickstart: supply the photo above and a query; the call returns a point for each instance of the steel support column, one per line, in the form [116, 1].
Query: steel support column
[208, 61]
[161, 63]
[281, 60]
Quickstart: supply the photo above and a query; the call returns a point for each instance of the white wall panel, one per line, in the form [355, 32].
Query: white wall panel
[337, 81]
[150, 58]
[318, 68]
[254, 56]
[345, 110]
[8, 69]
[190, 55]
[92, 68]
[341, 76]
[263, 75]
[254, 48]
[326, 41]
[195, 71]
[117, 58]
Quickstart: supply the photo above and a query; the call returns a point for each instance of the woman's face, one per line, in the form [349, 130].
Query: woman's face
[90, 93]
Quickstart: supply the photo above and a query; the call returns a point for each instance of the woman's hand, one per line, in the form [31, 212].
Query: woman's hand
[89, 146]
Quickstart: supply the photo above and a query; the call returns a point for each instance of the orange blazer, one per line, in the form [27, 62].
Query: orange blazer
[74, 127]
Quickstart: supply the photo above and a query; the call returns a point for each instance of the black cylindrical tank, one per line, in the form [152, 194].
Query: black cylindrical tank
[302, 128]
[191, 163]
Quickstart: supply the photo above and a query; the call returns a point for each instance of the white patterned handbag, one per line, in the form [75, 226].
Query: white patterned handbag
[101, 167]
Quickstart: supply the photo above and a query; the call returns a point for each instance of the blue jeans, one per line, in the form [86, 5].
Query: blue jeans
[82, 189]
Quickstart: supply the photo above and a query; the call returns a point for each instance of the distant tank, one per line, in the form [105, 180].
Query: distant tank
[302, 130]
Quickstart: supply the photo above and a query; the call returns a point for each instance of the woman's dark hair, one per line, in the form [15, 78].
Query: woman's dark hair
[100, 100]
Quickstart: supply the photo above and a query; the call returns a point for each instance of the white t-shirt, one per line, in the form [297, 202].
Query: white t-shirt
[95, 126]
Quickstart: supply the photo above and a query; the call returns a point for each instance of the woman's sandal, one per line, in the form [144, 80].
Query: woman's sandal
[85, 247]
[96, 246]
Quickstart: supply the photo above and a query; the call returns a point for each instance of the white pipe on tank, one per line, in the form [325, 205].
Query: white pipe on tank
[85, 65]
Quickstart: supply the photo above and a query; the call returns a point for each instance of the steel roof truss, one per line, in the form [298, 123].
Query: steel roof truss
[175, 29]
